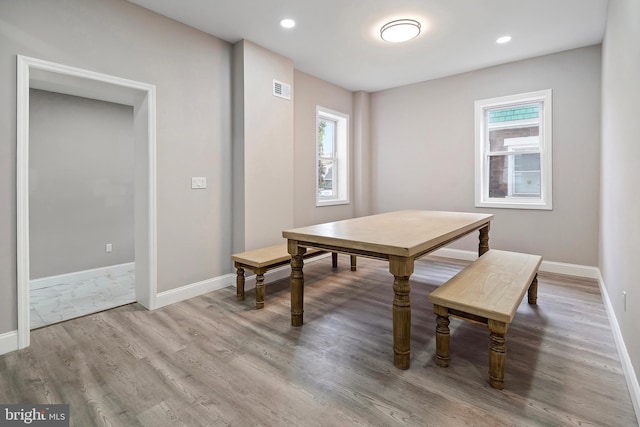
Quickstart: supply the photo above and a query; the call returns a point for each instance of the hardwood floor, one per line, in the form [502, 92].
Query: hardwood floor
[213, 361]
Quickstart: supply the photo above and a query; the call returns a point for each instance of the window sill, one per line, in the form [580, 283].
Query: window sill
[510, 204]
[321, 203]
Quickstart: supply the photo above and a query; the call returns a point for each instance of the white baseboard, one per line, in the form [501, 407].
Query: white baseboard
[8, 342]
[76, 276]
[575, 270]
[193, 290]
[625, 360]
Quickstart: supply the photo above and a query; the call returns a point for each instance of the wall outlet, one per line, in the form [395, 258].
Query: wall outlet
[108, 247]
[198, 182]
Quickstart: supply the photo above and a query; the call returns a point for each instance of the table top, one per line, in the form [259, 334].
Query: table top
[403, 233]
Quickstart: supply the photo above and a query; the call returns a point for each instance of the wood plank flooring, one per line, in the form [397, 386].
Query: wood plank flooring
[213, 361]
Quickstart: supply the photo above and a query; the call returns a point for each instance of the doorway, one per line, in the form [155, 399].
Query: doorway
[57, 78]
[81, 193]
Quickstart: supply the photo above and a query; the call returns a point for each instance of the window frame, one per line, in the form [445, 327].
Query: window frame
[339, 158]
[483, 153]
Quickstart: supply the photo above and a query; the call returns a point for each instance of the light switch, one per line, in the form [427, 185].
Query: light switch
[198, 182]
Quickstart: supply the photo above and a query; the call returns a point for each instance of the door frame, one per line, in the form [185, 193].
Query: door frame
[39, 74]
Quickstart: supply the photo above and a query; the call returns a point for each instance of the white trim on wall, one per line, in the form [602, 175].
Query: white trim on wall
[193, 290]
[199, 288]
[39, 74]
[8, 342]
[77, 276]
[576, 270]
[625, 359]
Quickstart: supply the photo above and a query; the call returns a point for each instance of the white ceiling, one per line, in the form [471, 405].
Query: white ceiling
[339, 41]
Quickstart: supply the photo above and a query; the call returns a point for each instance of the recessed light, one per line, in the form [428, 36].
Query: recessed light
[288, 23]
[503, 39]
[400, 30]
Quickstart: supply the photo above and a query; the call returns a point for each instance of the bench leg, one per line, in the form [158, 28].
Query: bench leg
[260, 287]
[240, 284]
[443, 336]
[353, 263]
[334, 259]
[533, 291]
[497, 353]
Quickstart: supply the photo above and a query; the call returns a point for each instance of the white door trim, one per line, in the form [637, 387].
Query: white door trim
[39, 74]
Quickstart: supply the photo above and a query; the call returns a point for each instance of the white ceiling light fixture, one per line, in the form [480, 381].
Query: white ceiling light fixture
[288, 23]
[503, 39]
[400, 30]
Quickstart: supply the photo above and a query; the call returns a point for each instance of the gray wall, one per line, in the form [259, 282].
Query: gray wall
[310, 92]
[80, 183]
[423, 152]
[620, 204]
[263, 148]
[192, 74]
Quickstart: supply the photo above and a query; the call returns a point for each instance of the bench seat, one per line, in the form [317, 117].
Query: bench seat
[487, 292]
[264, 259]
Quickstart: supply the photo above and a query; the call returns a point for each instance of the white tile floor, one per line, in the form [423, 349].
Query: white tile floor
[63, 302]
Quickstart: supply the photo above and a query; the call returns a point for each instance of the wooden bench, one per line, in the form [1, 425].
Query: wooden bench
[487, 292]
[262, 260]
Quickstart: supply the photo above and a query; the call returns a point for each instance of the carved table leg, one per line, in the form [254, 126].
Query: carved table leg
[401, 268]
[497, 353]
[260, 287]
[296, 282]
[443, 336]
[483, 246]
[240, 283]
[334, 259]
[353, 262]
[533, 290]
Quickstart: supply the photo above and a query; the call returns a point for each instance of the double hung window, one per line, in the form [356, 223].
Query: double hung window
[513, 151]
[332, 172]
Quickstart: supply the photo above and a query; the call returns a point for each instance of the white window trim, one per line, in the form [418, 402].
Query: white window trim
[482, 199]
[341, 158]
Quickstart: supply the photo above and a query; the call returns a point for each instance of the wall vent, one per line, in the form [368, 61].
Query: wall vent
[281, 90]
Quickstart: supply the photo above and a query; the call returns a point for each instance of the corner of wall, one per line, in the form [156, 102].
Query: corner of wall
[237, 150]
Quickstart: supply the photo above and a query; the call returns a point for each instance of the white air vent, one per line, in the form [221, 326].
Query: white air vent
[281, 90]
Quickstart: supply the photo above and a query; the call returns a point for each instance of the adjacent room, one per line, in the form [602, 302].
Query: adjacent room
[296, 213]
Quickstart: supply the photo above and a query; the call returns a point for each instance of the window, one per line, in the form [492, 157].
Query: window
[513, 151]
[332, 170]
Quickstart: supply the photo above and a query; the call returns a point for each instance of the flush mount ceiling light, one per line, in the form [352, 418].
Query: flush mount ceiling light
[400, 30]
[503, 39]
[288, 23]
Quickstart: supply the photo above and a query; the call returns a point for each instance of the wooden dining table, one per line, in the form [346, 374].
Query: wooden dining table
[400, 237]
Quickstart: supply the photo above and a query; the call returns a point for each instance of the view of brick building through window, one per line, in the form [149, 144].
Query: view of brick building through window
[514, 162]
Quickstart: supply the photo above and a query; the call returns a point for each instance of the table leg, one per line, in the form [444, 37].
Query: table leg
[353, 263]
[296, 282]
[240, 283]
[334, 259]
[484, 240]
[401, 268]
